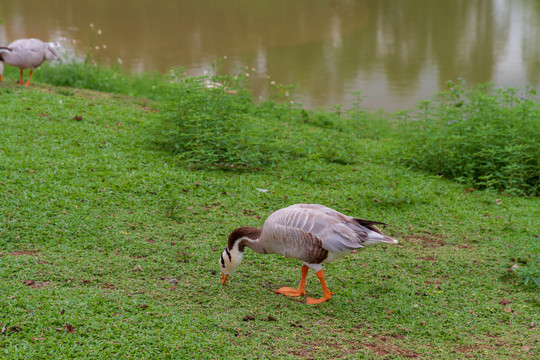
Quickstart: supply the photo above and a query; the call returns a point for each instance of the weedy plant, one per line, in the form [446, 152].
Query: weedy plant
[209, 121]
[291, 96]
[486, 137]
[92, 46]
[529, 268]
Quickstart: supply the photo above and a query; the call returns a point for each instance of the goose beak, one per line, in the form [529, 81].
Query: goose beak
[224, 279]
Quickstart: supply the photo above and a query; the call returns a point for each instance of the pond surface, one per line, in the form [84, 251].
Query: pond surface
[395, 52]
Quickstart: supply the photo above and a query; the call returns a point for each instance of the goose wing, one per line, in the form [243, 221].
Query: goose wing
[336, 232]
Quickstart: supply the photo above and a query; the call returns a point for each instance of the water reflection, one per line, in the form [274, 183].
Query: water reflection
[395, 52]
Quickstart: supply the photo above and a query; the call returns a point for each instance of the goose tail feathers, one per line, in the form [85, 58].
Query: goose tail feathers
[375, 236]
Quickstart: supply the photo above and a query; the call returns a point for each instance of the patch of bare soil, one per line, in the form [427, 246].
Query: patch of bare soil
[427, 239]
[108, 286]
[384, 347]
[24, 252]
[311, 348]
[35, 285]
[472, 348]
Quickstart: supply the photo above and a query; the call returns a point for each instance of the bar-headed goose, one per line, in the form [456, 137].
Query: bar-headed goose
[26, 54]
[313, 234]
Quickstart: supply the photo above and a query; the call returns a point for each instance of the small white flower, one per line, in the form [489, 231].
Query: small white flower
[99, 32]
[272, 82]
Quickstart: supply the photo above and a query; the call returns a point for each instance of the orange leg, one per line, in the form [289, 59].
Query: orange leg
[326, 293]
[20, 80]
[29, 76]
[296, 292]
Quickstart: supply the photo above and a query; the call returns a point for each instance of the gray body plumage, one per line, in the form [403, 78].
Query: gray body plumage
[29, 53]
[315, 234]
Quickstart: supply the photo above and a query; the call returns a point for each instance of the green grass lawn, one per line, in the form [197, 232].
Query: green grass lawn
[109, 248]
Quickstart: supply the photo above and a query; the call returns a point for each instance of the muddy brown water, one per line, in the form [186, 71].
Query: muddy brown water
[396, 52]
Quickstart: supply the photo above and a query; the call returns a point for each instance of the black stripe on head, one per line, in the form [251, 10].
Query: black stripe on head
[222, 261]
[228, 254]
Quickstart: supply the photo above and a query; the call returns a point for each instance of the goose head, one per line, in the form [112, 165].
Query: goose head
[229, 261]
[51, 53]
[231, 256]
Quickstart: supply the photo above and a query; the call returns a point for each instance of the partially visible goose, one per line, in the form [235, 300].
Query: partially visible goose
[26, 54]
[313, 234]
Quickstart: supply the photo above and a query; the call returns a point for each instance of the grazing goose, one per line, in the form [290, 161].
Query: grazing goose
[313, 234]
[26, 54]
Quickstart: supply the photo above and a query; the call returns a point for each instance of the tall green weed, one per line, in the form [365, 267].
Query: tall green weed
[485, 137]
[528, 265]
[212, 121]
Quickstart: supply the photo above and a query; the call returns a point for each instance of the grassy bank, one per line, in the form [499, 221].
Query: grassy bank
[109, 242]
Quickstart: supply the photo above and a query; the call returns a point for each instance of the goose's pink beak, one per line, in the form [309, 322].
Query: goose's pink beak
[224, 279]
